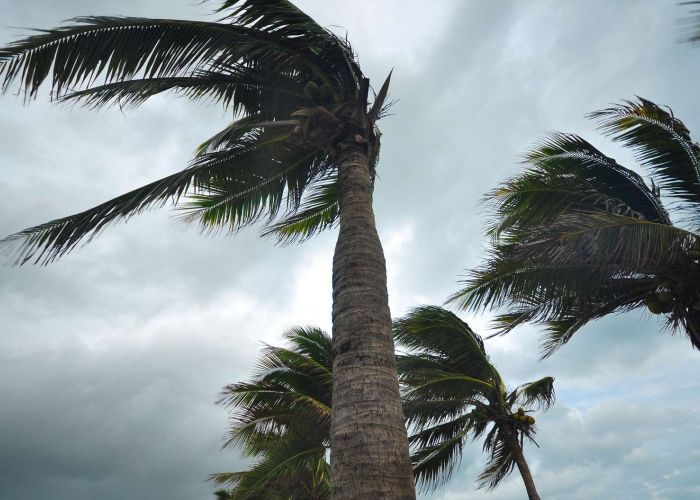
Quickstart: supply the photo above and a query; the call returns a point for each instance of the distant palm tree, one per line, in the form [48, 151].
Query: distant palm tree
[300, 155]
[577, 236]
[282, 418]
[453, 393]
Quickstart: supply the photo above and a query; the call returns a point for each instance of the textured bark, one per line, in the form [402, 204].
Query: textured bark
[369, 446]
[519, 458]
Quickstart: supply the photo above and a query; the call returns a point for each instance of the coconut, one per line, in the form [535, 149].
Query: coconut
[530, 420]
[312, 91]
[654, 306]
[326, 93]
[521, 411]
[665, 297]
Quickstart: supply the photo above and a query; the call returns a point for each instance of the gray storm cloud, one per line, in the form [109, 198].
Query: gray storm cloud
[111, 359]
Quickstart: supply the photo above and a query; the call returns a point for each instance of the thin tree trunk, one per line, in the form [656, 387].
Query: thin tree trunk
[369, 446]
[519, 458]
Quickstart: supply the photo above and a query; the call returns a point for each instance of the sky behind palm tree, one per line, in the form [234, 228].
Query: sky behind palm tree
[111, 359]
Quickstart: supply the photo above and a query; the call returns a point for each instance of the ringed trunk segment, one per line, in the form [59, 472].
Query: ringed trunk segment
[369, 444]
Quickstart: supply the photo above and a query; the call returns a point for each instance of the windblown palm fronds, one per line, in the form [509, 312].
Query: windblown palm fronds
[292, 88]
[281, 418]
[577, 236]
[453, 393]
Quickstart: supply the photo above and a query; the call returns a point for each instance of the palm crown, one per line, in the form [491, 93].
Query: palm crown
[293, 88]
[282, 418]
[578, 236]
[453, 393]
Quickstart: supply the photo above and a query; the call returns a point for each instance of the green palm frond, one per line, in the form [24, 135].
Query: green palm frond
[319, 211]
[240, 89]
[568, 174]
[433, 464]
[577, 236]
[452, 392]
[436, 331]
[500, 462]
[113, 49]
[284, 472]
[662, 143]
[539, 393]
[602, 238]
[282, 417]
[256, 62]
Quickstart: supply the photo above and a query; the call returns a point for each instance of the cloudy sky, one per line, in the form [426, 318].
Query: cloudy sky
[112, 358]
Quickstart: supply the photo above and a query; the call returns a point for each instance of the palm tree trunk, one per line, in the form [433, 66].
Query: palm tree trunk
[519, 458]
[369, 445]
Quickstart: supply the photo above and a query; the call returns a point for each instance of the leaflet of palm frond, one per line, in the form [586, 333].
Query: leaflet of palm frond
[319, 210]
[436, 331]
[603, 238]
[661, 142]
[112, 49]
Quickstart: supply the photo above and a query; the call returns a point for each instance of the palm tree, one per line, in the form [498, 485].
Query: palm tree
[454, 392]
[282, 417]
[577, 236]
[299, 155]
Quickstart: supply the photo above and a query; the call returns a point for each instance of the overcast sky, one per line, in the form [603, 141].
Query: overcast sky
[111, 359]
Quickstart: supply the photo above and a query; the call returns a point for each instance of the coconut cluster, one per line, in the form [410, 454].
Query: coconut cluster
[521, 417]
[320, 94]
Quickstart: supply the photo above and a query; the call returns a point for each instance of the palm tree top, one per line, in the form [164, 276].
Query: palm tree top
[577, 236]
[294, 90]
[453, 392]
[281, 417]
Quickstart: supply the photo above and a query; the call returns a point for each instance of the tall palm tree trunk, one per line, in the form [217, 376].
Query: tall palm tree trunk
[519, 458]
[369, 445]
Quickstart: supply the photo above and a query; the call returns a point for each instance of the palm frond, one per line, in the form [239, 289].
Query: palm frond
[317, 212]
[113, 49]
[236, 186]
[241, 89]
[433, 465]
[539, 393]
[434, 330]
[662, 143]
[500, 462]
[603, 238]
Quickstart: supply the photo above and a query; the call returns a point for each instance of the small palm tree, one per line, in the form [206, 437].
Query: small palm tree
[453, 393]
[299, 155]
[577, 236]
[282, 418]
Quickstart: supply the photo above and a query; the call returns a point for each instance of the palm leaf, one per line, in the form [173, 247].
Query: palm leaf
[120, 48]
[318, 211]
[662, 143]
[539, 393]
[434, 330]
